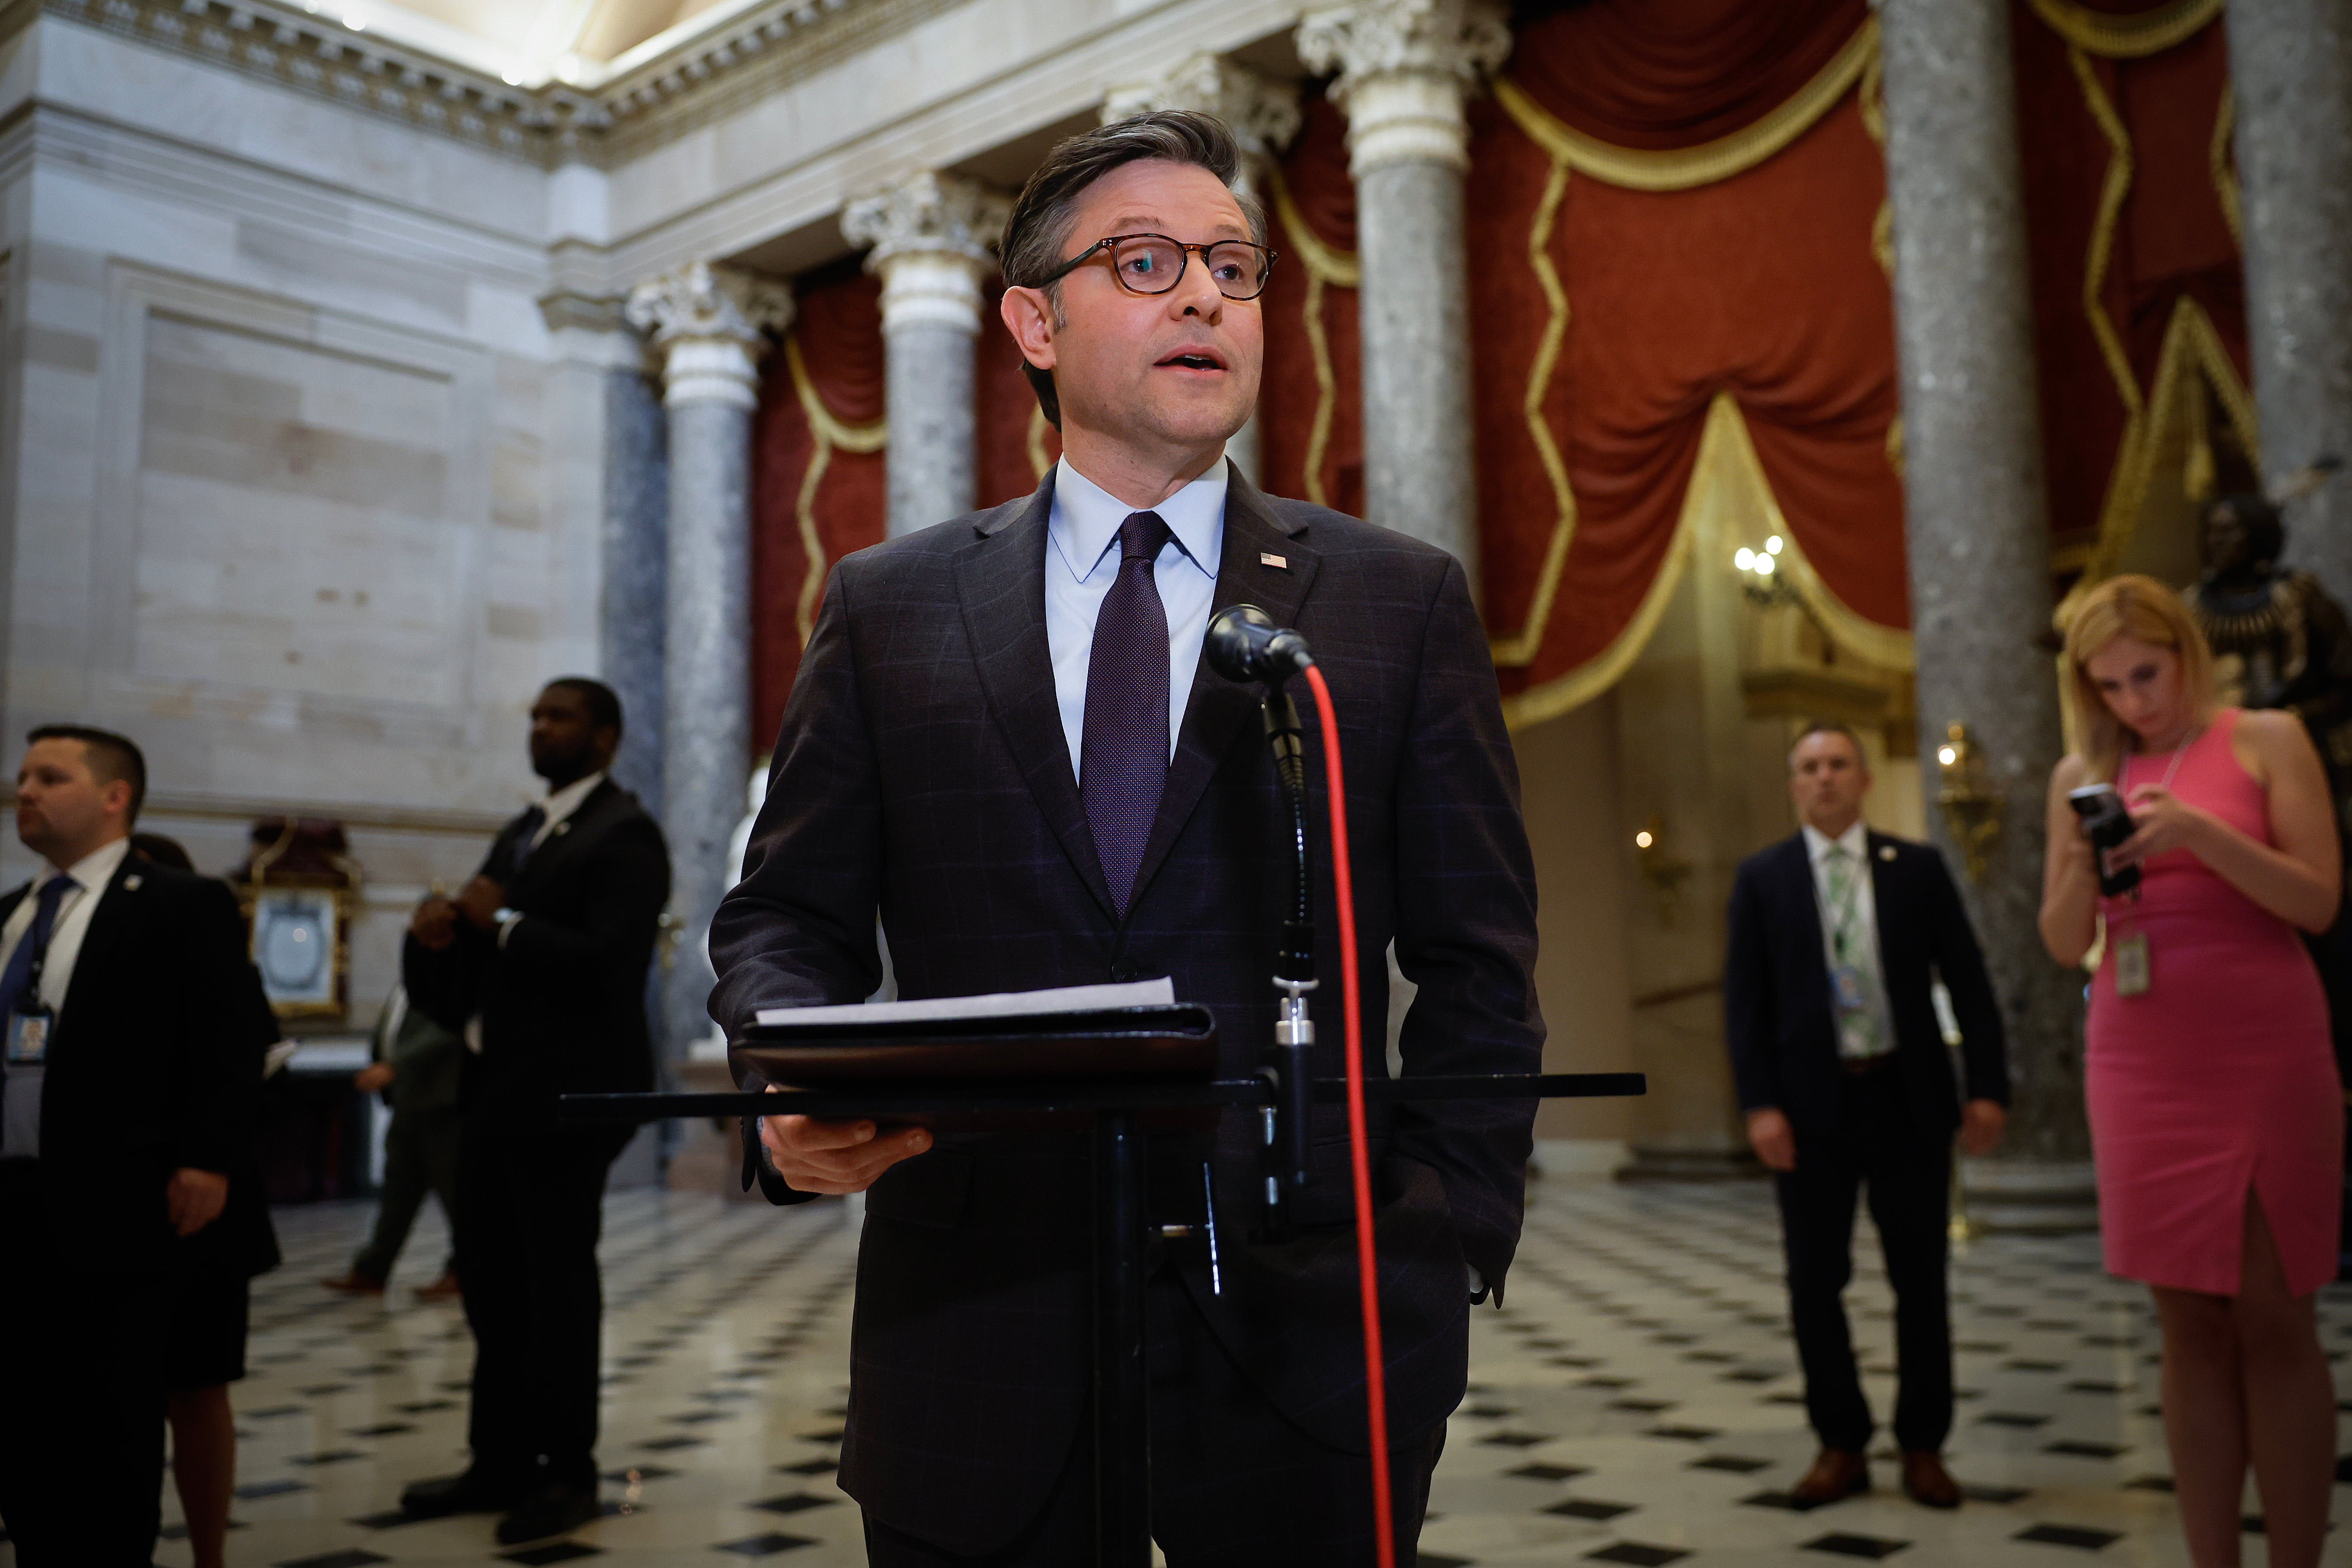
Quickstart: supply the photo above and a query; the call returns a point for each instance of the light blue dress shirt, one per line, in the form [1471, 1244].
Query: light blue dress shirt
[1082, 561]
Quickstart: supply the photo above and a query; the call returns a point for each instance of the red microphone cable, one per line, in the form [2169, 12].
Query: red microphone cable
[1376, 1395]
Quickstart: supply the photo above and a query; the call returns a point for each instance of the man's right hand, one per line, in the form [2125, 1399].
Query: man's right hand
[836, 1157]
[1775, 1142]
[372, 1077]
[435, 924]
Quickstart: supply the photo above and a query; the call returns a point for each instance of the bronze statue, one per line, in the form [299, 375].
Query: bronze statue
[2281, 640]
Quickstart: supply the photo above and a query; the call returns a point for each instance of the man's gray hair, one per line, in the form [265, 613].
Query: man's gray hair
[1037, 234]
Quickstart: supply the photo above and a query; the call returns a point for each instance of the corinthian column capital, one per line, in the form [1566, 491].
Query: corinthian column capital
[1261, 111]
[929, 234]
[707, 323]
[1403, 66]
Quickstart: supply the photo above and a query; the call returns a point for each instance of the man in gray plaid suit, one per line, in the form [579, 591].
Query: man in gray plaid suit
[1003, 740]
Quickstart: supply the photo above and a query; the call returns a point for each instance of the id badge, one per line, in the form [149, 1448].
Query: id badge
[28, 1038]
[1846, 989]
[2131, 964]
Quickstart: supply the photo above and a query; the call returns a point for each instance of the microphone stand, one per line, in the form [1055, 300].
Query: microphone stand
[1287, 1065]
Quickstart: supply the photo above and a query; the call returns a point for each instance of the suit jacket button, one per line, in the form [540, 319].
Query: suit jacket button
[1122, 972]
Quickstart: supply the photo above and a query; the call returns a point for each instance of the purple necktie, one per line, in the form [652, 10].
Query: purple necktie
[1124, 764]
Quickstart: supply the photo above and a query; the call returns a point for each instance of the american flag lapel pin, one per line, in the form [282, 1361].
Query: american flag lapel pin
[1268, 558]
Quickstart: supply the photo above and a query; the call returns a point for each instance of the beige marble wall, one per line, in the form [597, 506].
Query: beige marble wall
[291, 489]
[1569, 782]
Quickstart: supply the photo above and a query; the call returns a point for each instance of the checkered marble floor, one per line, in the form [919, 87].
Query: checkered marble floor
[1636, 1403]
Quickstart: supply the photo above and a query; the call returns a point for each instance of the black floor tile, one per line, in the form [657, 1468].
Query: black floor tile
[795, 1502]
[2080, 1537]
[1684, 1434]
[1995, 1494]
[1515, 1440]
[1779, 1500]
[389, 1519]
[327, 1457]
[349, 1557]
[811, 1467]
[254, 1489]
[1732, 1464]
[766, 1545]
[2076, 1447]
[1635, 1555]
[2149, 1484]
[1840, 1543]
[553, 1552]
[1543, 1472]
[1587, 1508]
[670, 1445]
[2023, 1420]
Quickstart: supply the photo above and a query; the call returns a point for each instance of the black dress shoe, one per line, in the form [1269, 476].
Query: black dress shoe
[470, 1492]
[549, 1512]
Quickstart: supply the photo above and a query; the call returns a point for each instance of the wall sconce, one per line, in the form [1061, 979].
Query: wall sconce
[1970, 802]
[1662, 872]
[1760, 574]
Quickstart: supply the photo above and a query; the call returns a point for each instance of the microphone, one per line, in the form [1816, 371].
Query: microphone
[1244, 644]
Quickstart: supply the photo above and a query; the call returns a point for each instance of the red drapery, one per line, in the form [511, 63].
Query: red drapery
[837, 330]
[1305, 388]
[1764, 284]
[2170, 239]
[838, 333]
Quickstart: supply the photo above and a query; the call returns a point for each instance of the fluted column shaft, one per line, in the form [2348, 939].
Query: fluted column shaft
[1404, 67]
[1978, 543]
[930, 235]
[707, 334]
[2291, 73]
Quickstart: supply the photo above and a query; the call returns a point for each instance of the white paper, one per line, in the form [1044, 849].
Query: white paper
[1160, 993]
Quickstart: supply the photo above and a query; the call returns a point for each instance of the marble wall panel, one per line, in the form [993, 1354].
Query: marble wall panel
[294, 520]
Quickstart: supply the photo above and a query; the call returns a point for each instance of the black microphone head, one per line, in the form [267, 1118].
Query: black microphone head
[1244, 644]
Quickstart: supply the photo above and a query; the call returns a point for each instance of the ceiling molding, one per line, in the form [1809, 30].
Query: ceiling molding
[702, 78]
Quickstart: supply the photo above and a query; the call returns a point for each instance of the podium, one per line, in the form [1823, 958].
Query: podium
[1120, 1073]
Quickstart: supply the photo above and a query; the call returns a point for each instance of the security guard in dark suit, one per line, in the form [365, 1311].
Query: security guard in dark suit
[1837, 936]
[542, 957]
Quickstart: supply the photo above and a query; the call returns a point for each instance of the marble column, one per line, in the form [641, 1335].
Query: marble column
[2291, 73]
[1263, 113]
[611, 459]
[1404, 67]
[930, 235]
[1979, 552]
[707, 325]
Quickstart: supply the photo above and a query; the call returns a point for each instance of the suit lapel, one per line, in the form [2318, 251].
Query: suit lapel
[1807, 895]
[1000, 582]
[557, 846]
[1217, 707]
[110, 924]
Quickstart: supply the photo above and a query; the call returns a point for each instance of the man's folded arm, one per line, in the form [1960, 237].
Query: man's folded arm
[1465, 931]
[798, 931]
[616, 928]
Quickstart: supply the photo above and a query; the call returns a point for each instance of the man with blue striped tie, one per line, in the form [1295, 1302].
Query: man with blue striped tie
[120, 974]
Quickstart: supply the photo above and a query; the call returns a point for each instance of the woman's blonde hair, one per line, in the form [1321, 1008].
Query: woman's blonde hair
[2133, 606]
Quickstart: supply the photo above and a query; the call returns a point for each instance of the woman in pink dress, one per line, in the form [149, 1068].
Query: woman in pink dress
[2216, 1111]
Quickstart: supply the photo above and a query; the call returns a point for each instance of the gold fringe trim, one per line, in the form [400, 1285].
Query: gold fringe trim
[1327, 267]
[1641, 169]
[1727, 466]
[2112, 191]
[2224, 167]
[1853, 632]
[829, 433]
[2126, 38]
[2191, 345]
[1521, 646]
